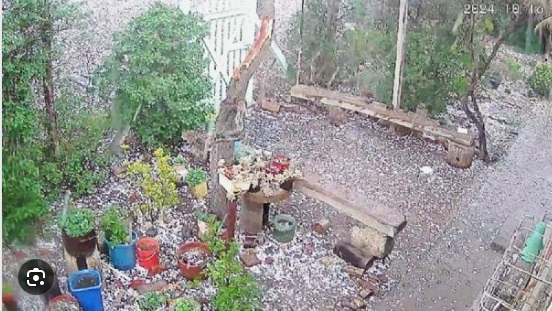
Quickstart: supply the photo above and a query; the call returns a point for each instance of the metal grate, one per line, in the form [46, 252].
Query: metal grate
[516, 284]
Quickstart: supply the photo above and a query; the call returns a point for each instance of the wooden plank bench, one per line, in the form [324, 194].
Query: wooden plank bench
[461, 148]
[385, 220]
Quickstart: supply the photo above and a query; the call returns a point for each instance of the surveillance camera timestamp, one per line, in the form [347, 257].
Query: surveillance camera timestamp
[489, 8]
[525, 9]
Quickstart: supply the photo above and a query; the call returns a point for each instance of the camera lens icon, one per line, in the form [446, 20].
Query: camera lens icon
[36, 277]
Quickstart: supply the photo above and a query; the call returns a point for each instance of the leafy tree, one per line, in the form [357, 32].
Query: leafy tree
[471, 29]
[22, 202]
[158, 72]
[31, 166]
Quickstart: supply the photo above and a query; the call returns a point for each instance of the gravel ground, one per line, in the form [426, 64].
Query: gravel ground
[363, 162]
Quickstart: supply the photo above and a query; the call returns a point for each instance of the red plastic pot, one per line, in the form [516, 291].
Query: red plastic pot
[281, 162]
[192, 271]
[147, 253]
[9, 302]
[60, 299]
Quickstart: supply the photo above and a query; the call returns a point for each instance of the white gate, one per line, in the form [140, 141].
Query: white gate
[233, 25]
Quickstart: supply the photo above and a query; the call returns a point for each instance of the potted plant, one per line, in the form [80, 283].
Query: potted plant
[78, 231]
[63, 303]
[119, 238]
[158, 184]
[152, 301]
[86, 287]
[192, 259]
[280, 162]
[179, 164]
[197, 181]
[185, 304]
[8, 298]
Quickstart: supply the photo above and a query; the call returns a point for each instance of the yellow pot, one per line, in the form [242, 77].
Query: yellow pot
[199, 191]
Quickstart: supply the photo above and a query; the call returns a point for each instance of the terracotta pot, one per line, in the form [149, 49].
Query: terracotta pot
[62, 299]
[80, 246]
[192, 271]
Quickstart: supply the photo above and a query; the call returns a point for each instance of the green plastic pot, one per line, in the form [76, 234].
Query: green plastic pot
[534, 244]
[284, 228]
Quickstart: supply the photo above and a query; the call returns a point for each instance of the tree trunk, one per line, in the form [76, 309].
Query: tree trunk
[529, 33]
[478, 70]
[48, 86]
[229, 125]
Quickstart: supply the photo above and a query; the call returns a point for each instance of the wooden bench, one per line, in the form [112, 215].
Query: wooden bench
[461, 146]
[385, 220]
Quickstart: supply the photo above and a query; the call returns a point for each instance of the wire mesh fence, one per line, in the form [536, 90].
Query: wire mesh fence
[522, 280]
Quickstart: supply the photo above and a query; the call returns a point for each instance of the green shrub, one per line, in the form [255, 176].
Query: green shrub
[186, 304]
[514, 69]
[81, 164]
[541, 79]
[77, 222]
[115, 227]
[159, 65]
[152, 301]
[237, 288]
[195, 177]
[364, 55]
[23, 206]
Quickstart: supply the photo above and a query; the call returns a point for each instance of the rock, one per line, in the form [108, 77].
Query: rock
[309, 249]
[134, 284]
[150, 287]
[338, 116]
[327, 260]
[426, 170]
[134, 197]
[270, 105]
[353, 271]
[365, 293]
[250, 241]
[118, 171]
[152, 232]
[371, 242]
[368, 286]
[352, 255]
[291, 108]
[321, 227]
[19, 255]
[358, 303]
[46, 254]
[249, 258]
[118, 284]
[269, 260]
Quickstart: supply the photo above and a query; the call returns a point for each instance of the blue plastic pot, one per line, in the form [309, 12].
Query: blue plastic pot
[123, 256]
[86, 287]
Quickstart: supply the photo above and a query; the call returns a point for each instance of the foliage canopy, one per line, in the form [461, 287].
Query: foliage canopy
[158, 68]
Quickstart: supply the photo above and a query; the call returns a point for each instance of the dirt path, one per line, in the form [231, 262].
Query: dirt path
[450, 274]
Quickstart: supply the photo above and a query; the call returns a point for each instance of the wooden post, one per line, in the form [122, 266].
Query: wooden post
[229, 125]
[401, 40]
